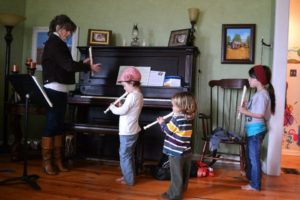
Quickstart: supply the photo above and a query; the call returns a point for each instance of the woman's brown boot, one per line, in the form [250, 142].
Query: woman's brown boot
[57, 153]
[47, 148]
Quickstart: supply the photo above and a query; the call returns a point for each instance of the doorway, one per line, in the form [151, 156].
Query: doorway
[290, 140]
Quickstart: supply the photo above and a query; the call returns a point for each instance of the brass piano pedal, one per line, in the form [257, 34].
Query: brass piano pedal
[69, 146]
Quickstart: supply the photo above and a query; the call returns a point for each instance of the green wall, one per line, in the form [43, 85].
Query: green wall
[156, 19]
[16, 7]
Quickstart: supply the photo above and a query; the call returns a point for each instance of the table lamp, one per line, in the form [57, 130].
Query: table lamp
[193, 16]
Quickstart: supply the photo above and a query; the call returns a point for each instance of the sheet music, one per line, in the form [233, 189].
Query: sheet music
[42, 91]
[156, 78]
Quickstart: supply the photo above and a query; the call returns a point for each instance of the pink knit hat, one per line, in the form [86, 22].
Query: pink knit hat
[130, 74]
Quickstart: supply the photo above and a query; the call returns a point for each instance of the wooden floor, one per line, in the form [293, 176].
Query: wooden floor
[92, 180]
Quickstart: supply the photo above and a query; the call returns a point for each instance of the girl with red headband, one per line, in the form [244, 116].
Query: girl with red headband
[257, 112]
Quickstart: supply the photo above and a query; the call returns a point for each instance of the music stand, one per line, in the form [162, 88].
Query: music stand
[31, 92]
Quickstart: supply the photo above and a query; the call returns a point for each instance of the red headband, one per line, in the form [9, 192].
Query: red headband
[260, 74]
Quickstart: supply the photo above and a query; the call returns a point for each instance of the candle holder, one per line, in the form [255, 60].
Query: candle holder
[15, 98]
[31, 66]
[31, 69]
[15, 69]
[28, 62]
[193, 16]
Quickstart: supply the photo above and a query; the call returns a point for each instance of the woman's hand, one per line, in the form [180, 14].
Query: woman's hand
[87, 61]
[94, 67]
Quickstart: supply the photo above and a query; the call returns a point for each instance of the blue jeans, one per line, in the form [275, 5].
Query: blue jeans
[55, 116]
[127, 161]
[253, 160]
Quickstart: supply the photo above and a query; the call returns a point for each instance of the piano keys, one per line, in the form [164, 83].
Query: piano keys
[104, 100]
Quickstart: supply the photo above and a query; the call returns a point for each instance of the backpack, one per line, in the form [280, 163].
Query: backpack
[162, 170]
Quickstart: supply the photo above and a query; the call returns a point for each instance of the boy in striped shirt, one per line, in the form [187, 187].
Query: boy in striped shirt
[177, 143]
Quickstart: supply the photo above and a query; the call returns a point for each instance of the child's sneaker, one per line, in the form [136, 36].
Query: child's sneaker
[164, 196]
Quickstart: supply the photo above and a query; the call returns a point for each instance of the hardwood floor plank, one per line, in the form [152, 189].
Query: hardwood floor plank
[93, 181]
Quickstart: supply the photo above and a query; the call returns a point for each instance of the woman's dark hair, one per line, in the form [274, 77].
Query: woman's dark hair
[269, 86]
[63, 21]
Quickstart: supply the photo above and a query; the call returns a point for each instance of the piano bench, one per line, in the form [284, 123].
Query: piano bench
[71, 130]
[70, 139]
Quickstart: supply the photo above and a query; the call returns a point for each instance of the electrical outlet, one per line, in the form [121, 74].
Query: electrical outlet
[293, 72]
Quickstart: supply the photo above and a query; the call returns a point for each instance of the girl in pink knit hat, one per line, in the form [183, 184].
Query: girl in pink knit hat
[129, 127]
[257, 112]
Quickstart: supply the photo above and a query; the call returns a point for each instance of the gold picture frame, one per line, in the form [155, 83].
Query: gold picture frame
[99, 37]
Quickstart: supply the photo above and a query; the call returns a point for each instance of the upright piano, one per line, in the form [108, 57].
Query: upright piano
[98, 132]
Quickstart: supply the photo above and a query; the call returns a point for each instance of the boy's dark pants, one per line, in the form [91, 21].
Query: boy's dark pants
[180, 173]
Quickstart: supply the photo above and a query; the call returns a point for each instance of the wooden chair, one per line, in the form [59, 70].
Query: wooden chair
[225, 97]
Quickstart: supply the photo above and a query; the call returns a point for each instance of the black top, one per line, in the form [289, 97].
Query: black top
[57, 62]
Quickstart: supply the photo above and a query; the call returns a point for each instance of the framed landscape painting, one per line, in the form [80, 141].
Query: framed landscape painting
[238, 43]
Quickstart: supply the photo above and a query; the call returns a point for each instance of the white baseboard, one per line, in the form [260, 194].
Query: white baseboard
[290, 152]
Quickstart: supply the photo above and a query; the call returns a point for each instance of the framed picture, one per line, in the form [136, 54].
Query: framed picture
[40, 36]
[179, 37]
[99, 37]
[238, 43]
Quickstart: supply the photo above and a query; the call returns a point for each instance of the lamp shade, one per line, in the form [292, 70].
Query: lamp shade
[193, 14]
[9, 19]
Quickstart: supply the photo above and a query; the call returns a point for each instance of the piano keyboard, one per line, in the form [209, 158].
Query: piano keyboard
[114, 98]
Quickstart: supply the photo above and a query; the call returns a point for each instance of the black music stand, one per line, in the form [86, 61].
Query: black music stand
[30, 92]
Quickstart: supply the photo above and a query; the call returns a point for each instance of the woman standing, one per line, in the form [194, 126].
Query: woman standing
[58, 75]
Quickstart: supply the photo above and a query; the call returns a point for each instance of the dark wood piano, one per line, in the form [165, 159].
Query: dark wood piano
[97, 133]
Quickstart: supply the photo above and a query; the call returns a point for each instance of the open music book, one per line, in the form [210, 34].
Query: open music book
[26, 84]
[42, 91]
